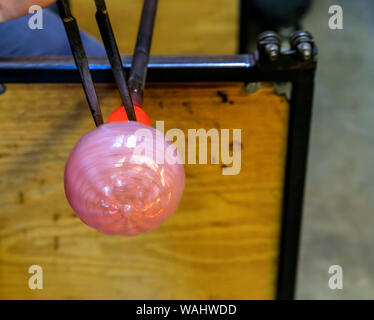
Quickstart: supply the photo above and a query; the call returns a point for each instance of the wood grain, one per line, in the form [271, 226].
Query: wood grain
[182, 27]
[221, 243]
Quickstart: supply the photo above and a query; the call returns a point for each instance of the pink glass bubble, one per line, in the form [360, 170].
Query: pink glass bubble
[124, 178]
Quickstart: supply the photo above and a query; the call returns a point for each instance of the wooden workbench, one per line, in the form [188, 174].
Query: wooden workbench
[222, 243]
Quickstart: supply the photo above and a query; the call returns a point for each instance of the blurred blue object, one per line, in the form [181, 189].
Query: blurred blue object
[17, 39]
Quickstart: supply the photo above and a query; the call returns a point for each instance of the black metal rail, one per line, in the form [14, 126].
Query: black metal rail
[160, 69]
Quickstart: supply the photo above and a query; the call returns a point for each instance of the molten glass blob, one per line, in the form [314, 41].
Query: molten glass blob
[124, 178]
[119, 115]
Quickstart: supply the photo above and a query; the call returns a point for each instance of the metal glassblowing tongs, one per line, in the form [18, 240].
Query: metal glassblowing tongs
[140, 59]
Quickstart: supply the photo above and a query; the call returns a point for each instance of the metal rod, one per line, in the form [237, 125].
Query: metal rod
[293, 195]
[138, 73]
[243, 26]
[114, 57]
[197, 68]
[80, 58]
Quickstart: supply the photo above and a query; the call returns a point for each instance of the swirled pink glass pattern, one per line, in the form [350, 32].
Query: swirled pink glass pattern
[124, 178]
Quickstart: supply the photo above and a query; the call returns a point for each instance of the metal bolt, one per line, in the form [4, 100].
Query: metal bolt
[302, 42]
[269, 43]
[305, 50]
[272, 51]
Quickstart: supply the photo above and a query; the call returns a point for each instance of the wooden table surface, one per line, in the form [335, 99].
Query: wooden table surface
[220, 244]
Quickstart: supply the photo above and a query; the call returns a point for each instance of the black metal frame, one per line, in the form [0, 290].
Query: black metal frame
[246, 68]
[293, 191]
[297, 144]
